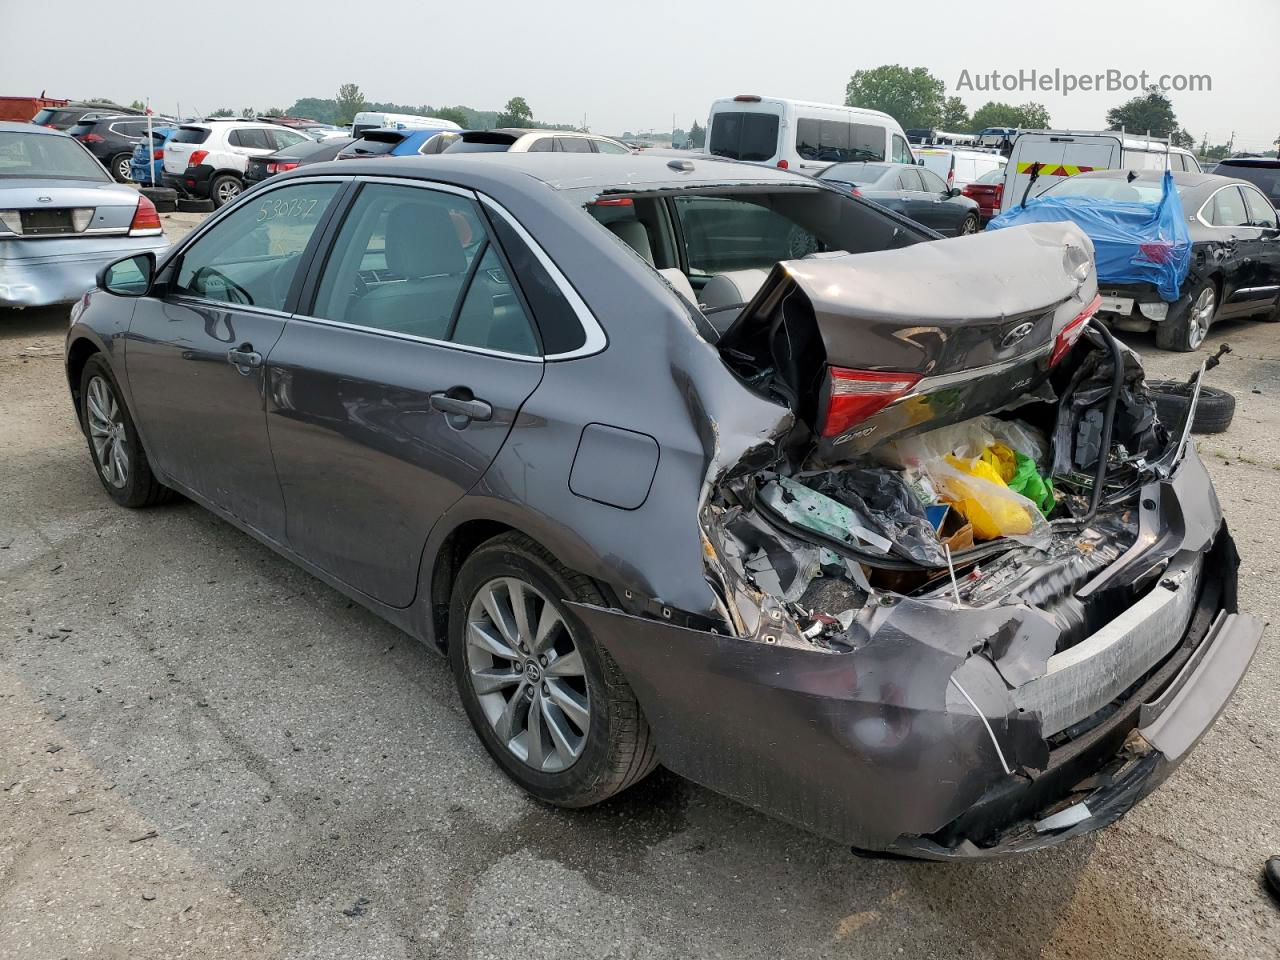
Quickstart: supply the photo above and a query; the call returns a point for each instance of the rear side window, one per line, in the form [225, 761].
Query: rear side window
[250, 257]
[573, 145]
[1227, 209]
[744, 136]
[420, 262]
[251, 139]
[190, 135]
[837, 142]
[557, 322]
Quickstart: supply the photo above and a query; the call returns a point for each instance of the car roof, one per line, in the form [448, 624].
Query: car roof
[1250, 161]
[571, 171]
[1182, 179]
[13, 126]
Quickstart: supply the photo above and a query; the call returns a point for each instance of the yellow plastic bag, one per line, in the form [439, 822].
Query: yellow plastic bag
[1002, 460]
[976, 489]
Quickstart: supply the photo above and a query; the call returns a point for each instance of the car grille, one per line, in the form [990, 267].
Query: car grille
[1083, 679]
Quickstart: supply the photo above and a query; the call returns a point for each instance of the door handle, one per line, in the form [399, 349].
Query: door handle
[456, 407]
[244, 358]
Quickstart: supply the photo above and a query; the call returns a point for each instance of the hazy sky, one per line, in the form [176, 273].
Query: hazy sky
[633, 65]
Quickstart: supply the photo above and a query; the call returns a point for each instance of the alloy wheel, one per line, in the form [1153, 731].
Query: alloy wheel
[528, 674]
[970, 226]
[228, 190]
[123, 168]
[107, 432]
[1201, 317]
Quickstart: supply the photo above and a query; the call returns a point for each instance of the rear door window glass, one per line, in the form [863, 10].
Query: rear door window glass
[909, 180]
[744, 136]
[251, 256]
[420, 262]
[573, 145]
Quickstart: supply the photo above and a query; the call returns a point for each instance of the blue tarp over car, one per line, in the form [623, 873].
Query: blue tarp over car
[1133, 242]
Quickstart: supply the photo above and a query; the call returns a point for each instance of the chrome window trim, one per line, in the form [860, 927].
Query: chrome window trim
[413, 338]
[596, 338]
[204, 303]
[1214, 226]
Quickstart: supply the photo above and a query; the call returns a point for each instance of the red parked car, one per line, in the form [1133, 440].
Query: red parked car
[987, 191]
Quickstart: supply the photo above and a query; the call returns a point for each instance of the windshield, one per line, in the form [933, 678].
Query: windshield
[856, 173]
[1108, 188]
[744, 136]
[45, 155]
[992, 176]
[1266, 179]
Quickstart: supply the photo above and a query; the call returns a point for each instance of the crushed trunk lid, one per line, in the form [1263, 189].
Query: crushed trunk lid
[868, 346]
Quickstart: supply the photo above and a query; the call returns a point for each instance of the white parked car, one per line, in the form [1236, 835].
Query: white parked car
[522, 140]
[377, 120]
[208, 159]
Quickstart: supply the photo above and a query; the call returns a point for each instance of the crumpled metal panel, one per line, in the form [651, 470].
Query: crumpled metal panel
[38, 273]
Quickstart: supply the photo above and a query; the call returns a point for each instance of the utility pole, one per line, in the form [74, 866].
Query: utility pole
[1231, 144]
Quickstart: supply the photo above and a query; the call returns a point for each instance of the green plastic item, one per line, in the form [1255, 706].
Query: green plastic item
[1029, 483]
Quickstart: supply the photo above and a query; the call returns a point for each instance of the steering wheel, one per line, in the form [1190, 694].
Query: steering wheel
[199, 280]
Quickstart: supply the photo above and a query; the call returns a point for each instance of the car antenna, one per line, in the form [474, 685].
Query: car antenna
[1035, 175]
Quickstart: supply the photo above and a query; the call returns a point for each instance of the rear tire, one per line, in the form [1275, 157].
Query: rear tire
[120, 166]
[500, 676]
[224, 189]
[114, 445]
[1214, 411]
[1186, 329]
[970, 225]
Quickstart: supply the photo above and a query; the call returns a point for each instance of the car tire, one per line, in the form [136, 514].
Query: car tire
[1214, 411]
[119, 166]
[114, 445]
[1189, 320]
[194, 205]
[969, 226]
[510, 703]
[224, 189]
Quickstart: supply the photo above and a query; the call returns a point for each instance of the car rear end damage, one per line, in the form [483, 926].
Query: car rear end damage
[879, 678]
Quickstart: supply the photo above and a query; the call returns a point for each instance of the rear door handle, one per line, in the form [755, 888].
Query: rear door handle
[455, 407]
[244, 358]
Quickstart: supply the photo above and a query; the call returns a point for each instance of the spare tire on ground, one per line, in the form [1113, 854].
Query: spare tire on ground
[194, 205]
[165, 198]
[1213, 413]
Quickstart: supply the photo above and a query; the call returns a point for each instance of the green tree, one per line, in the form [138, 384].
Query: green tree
[994, 114]
[350, 101]
[1035, 116]
[955, 115]
[248, 113]
[274, 112]
[1151, 113]
[137, 105]
[222, 112]
[913, 97]
[515, 114]
[1183, 139]
[314, 108]
[697, 136]
[457, 114]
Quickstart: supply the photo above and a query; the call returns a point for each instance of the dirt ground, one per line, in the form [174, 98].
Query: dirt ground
[207, 753]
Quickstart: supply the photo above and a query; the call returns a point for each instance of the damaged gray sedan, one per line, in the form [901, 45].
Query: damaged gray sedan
[703, 464]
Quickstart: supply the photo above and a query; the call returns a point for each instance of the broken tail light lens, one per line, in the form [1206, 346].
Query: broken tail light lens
[856, 395]
[146, 221]
[197, 158]
[1159, 251]
[1069, 334]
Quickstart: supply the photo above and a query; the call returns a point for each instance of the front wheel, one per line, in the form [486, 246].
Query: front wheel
[548, 702]
[224, 189]
[970, 225]
[1185, 330]
[114, 445]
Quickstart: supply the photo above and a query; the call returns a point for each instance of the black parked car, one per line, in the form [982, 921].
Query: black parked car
[481, 397]
[112, 139]
[298, 155]
[1235, 253]
[1262, 172]
[912, 191]
[66, 117]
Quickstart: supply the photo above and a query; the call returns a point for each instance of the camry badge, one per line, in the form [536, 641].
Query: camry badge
[1017, 334]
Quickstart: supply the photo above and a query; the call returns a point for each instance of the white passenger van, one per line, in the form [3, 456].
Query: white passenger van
[373, 120]
[1064, 153]
[796, 135]
[959, 168]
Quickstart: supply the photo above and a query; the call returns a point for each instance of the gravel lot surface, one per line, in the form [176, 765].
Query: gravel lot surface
[207, 753]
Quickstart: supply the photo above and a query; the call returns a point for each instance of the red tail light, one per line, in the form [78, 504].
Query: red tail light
[197, 158]
[999, 194]
[279, 166]
[783, 165]
[157, 154]
[1072, 331]
[146, 222]
[855, 395]
[1161, 251]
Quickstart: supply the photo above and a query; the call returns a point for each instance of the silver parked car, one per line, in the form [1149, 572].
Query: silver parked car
[62, 217]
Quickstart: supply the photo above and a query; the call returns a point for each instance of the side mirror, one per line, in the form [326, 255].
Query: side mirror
[130, 276]
[953, 192]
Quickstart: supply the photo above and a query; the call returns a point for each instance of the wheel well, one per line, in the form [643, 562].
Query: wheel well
[77, 356]
[457, 546]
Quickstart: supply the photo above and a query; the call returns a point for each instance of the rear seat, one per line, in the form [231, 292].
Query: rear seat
[725, 294]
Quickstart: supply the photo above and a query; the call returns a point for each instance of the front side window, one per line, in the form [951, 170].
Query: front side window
[744, 136]
[1261, 213]
[608, 146]
[420, 262]
[901, 152]
[250, 257]
[46, 155]
[1227, 209]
